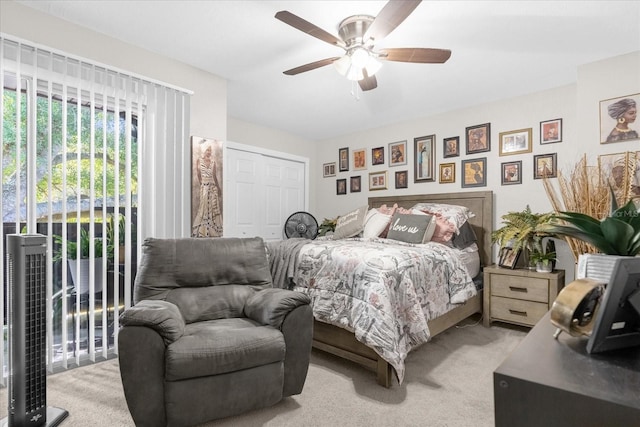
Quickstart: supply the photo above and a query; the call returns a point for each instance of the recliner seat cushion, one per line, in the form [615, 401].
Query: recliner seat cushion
[220, 346]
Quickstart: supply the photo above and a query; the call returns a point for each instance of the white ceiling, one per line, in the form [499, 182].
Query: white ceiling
[500, 49]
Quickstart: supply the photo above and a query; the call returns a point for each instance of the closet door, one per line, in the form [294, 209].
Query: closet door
[260, 194]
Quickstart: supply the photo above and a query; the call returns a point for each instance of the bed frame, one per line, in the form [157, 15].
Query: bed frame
[343, 343]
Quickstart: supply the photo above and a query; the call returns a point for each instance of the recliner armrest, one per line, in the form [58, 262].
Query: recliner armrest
[271, 306]
[162, 316]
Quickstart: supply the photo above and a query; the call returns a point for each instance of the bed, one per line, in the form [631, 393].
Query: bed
[403, 322]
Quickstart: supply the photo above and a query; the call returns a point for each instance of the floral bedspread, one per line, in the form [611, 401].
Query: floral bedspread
[382, 290]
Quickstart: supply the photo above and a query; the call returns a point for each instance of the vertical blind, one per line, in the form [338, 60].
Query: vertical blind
[97, 159]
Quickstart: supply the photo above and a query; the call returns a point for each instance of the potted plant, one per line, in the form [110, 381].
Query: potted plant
[327, 226]
[111, 236]
[544, 259]
[78, 252]
[524, 231]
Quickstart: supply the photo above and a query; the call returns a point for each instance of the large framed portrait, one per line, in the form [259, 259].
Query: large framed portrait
[206, 187]
[622, 172]
[618, 119]
[474, 172]
[359, 159]
[551, 131]
[478, 138]
[398, 153]
[451, 147]
[515, 142]
[424, 154]
[512, 173]
[545, 166]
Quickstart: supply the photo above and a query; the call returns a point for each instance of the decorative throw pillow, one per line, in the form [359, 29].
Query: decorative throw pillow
[350, 224]
[375, 223]
[455, 214]
[412, 228]
[444, 231]
[465, 238]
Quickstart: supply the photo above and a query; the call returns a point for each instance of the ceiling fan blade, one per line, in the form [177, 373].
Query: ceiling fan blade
[368, 82]
[311, 66]
[415, 54]
[308, 27]
[391, 15]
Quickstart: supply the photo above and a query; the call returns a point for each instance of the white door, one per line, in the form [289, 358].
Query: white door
[260, 192]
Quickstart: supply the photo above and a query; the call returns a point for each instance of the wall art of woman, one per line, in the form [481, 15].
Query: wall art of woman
[208, 219]
[624, 112]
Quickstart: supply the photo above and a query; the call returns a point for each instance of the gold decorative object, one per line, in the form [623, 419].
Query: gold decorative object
[575, 307]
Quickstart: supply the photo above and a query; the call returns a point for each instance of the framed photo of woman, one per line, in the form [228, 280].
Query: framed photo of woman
[545, 166]
[512, 173]
[451, 147]
[478, 138]
[474, 172]
[424, 154]
[398, 153]
[551, 131]
[618, 119]
[508, 258]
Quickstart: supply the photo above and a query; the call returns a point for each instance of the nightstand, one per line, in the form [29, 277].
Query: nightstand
[519, 296]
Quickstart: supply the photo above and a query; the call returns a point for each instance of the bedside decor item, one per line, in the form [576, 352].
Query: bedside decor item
[509, 257]
[402, 179]
[512, 173]
[341, 186]
[343, 159]
[447, 173]
[398, 153]
[474, 172]
[478, 138]
[551, 131]
[355, 184]
[515, 142]
[359, 159]
[424, 154]
[451, 147]
[544, 257]
[545, 166]
[378, 180]
[618, 119]
[377, 156]
[329, 169]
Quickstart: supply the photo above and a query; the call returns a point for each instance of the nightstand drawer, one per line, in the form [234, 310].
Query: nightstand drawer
[524, 288]
[518, 311]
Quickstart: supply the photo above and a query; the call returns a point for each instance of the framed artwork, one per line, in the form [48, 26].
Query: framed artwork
[473, 172]
[551, 131]
[545, 165]
[359, 159]
[329, 169]
[206, 187]
[622, 171]
[402, 179]
[478, 138]
[355, 186]
[508, 258]
[512, 173]
[341, 186]
[451, 146]
[447, 173]
[398, 153]
[343, 159]
[618, 119]
[378, 180]
[424, 154]
[515, 142]
[377, 156]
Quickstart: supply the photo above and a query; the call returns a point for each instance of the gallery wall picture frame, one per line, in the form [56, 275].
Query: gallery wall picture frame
[329, 169]
[508, 257]
[206, 187]
[397, 153]
[359, 157]
[474, 172]
[551, 131]
[545, 165]
[424, 154]
[377, 156]
[622, 172]
[618, 119]
[451, 147]
[512, 173]
[343, 159]
[478, 138]
[447, 173]
[355, 184]
[341, 186]
[378, 180]
[515, 142]
[402, 179]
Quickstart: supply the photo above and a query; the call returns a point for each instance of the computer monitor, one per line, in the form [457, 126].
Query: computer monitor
[617, 323]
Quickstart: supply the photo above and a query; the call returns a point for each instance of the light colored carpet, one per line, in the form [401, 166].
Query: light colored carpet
[449, 382]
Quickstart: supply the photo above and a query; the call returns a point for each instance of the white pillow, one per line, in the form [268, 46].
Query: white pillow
[350, 224]
[455, 214]
[375, 223]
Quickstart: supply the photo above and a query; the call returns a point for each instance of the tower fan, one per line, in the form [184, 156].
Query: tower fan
[302, 225]
[27, 287]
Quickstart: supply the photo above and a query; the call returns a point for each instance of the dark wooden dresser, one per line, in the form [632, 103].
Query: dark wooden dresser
[547, 383]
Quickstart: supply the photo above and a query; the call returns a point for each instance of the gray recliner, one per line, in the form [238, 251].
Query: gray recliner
[209, 336]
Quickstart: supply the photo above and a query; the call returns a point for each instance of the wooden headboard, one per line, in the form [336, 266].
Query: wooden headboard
[480, 203]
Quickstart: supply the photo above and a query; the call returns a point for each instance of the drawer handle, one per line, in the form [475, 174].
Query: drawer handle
[518, 312]
[517, 289]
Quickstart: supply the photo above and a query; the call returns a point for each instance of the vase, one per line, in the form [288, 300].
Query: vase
[82, 283]
[541, 267]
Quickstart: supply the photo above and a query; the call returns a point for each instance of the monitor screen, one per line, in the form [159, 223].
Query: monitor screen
[617, 323]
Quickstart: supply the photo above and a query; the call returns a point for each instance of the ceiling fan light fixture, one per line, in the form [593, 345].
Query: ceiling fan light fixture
[373, 65]
[355, 73]
[343, 64]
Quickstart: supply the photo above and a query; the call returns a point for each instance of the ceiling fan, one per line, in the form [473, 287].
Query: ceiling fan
[358, 35]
